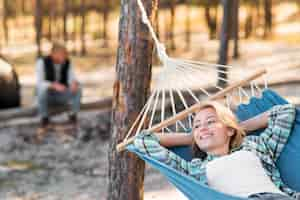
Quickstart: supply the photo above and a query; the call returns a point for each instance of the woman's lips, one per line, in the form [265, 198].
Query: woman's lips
[205, 136]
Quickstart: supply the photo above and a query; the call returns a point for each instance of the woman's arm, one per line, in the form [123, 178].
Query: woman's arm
[279, 127]
[255, 123]
[148, 144]
[174, 139]
[280, 123]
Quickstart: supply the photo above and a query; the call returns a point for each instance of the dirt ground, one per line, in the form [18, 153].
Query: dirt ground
[63, 167]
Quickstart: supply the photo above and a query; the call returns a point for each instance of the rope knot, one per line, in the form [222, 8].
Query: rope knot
[161, 52]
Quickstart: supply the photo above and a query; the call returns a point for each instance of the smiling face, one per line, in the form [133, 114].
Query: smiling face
[210, 133]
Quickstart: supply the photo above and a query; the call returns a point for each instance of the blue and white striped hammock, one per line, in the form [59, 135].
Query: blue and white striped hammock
[288, 162]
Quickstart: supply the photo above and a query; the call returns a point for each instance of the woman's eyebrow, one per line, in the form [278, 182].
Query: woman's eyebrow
[208, 117]
[211, 116]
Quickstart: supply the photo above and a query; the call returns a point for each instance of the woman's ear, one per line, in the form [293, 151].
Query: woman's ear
[231, 131]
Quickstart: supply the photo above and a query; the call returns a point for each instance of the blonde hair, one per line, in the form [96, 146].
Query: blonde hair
[227, 117]
[57, 46]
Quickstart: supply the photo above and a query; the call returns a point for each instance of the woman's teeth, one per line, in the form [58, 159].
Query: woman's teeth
[206, 136]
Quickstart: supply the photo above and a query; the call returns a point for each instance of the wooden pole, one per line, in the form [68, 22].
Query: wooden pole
[195, 107]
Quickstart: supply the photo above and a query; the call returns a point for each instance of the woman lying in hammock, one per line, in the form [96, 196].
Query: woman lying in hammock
[234, 164]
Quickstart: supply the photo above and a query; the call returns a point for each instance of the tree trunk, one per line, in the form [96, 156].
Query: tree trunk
[172, 24]
[235, 28]
[131, 88]
[5, 21]
[82, 27]
[211, 21]
[21, 17]
[1, 31]
[188, 25]
[65, 20]
[268, 18]
[57, 29]
[38, 25]
[224, 40]
[50, 18]
[105, 23]
[166, 29]
[258, 15]
[74, 34]
[249, 21]
[23, 7]
[157, 28]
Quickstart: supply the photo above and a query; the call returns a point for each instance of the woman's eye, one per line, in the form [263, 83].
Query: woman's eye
[211, 122]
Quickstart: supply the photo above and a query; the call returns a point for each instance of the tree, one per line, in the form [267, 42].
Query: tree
[51, 16]
[211, 18]
[249, 24]
[131, 88]
[38, 25]
[224, 40]
[82, 27]
[268, 18]
[188, 24]
[156, 26]
[65, 20]
[5, 21]
[74, 32]
[1, 31]
[235, 28]
[172, 24]
[105, 23]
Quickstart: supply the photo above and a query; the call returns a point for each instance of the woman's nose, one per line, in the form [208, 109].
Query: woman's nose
[202, 129]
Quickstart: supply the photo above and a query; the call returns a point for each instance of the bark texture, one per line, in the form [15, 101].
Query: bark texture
[131, 88]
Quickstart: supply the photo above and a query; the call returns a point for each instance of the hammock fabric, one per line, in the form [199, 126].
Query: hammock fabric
[288, 162]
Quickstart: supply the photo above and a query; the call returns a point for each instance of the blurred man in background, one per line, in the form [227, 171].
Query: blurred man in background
[57, 84]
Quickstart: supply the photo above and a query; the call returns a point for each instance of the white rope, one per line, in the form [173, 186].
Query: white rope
[173, 107]
[161, 50]
[198, 67]
[204, 63]
[206, 78]
[185, 105]
[162, 112]
[228, 100]
[145, 114]
[265, 81]
[258, 88]
[178, 122]
[252, 88]
[240, 95]
[245, 93]
[138, 118]
[191, 78]
[153, 110]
